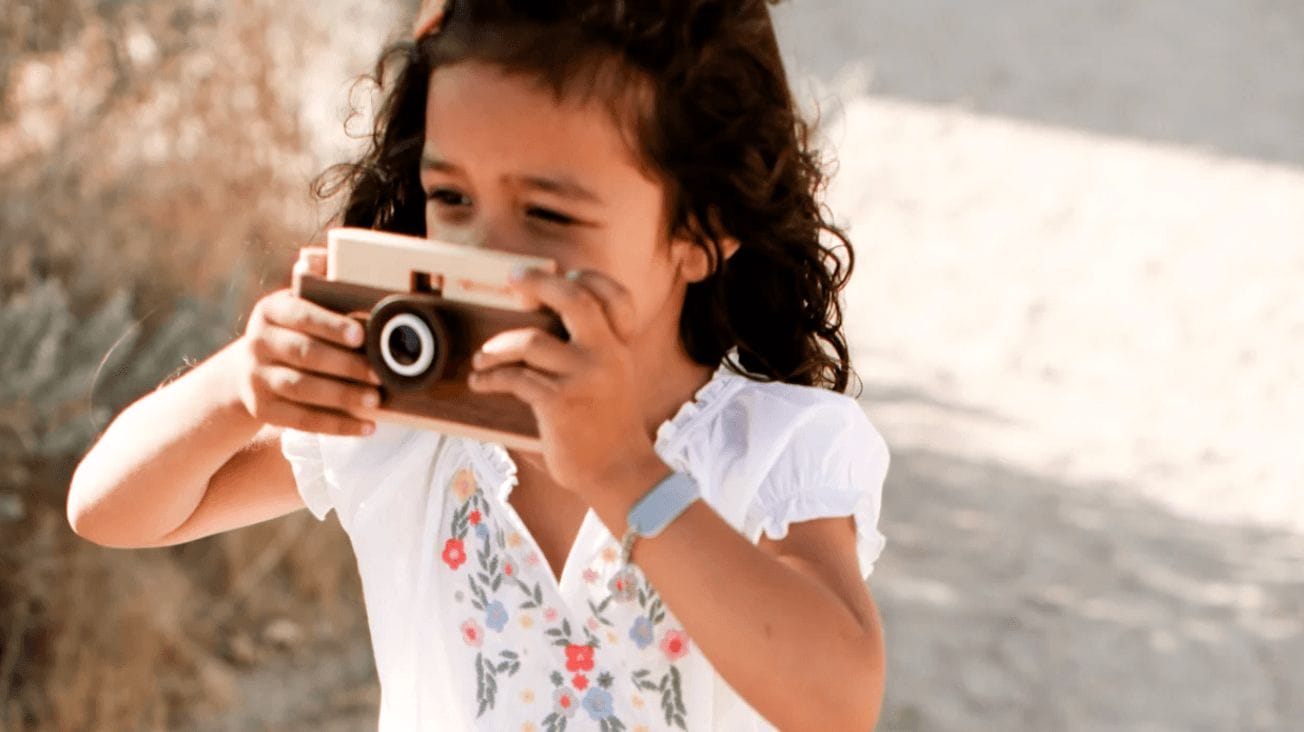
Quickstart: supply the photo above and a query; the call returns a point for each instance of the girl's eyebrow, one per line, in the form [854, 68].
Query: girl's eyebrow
[558, 185]
[561, 186]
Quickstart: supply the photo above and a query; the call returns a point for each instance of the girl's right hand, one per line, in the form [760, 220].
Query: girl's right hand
[297, 367]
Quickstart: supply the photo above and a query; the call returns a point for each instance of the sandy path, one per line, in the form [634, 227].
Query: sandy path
[1080, 230]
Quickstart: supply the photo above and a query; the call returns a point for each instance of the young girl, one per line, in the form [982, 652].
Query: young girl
[689, 549]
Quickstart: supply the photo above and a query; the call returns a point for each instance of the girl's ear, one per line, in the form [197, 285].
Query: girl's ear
[693, 260]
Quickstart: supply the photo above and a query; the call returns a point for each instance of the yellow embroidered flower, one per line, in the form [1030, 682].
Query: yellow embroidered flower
[527, 696]
[529, 727]
[638, 701]
[463, 484]
[527, 621]
[641, 728]
[610, 554]
[612, 638]
[514, 540]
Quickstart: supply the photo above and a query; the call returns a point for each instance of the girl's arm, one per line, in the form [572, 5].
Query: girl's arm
[789, 624]
[201, 454]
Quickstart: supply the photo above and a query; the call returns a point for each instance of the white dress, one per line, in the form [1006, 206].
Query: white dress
[471, 631]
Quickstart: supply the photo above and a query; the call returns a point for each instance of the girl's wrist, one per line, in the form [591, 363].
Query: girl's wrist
[626, 484]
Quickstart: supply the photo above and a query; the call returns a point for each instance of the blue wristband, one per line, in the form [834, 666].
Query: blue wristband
[657, 508]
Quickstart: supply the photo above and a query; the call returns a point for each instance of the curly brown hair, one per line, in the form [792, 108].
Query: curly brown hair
[699, 89]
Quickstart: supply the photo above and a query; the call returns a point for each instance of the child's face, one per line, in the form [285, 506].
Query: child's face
[507, 167]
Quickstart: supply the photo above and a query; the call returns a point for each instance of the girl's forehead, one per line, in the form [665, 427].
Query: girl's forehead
[484, 114]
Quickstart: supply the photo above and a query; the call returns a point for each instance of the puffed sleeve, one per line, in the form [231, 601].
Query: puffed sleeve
[303, 451]
[337, 473]
[832, 464]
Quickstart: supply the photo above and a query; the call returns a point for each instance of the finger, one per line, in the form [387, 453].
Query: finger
[581, 312]
[530, 346]
[287, 310]
[320, 420]
[306, 353]
[302, 387]
[526, 384]
[617, 303]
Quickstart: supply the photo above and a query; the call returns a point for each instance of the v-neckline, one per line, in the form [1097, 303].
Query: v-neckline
[508, 472]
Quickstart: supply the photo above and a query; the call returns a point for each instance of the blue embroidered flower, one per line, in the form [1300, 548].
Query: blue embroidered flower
[496, 616]
[482, 531]
[641, 633]
[597, 702]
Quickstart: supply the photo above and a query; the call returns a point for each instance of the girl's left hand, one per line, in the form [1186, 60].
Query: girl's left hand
[582, 391]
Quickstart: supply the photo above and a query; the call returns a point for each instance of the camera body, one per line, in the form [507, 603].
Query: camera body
[427, 307]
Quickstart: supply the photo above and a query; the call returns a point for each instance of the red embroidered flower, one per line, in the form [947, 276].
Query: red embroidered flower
[674, 644]
[592, 623]
[508, 568]
[550, 614]
[579, 658]
[580, 681]
[472, 633]
[590, 576]
[454, 555]
[474, 518]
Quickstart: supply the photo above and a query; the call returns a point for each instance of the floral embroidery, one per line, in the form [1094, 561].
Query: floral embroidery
[598, 704]
[454, 555]
[472, 633]
[498, 588]
[496, 617]
[579, 658]
[624, 585]
[564, 705]
[675, 645]
[641, 633]
[463, 485]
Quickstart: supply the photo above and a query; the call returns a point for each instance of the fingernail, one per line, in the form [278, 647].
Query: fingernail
[368, 428]
[370, 400]
[574, 275]
[519, 272]
[353, 332]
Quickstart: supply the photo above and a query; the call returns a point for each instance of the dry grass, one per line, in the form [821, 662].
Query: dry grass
[151, 185]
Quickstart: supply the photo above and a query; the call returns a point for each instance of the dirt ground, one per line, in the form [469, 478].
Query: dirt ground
[1080, 231]
[1080, 238]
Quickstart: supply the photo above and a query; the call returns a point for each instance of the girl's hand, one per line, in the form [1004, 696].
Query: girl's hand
[582, 391]
[296, 367]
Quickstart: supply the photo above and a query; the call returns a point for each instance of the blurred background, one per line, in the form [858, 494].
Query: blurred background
[1076, 312]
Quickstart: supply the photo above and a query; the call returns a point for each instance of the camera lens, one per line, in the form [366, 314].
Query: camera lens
[404, 345]
[407, 345]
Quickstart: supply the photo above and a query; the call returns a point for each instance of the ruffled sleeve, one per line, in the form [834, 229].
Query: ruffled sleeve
[338, 473]
[833, 464]
[303, 451]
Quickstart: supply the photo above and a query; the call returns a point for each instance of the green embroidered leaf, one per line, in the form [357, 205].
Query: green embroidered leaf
[561, 642]
[557, 678]
[605, 680]
[498, 580]
[678, 693]
[565, 627]
[508, 654]
[553, 631]
[477, 605]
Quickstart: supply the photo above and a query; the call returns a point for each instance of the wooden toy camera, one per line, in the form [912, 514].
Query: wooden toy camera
[427, 307]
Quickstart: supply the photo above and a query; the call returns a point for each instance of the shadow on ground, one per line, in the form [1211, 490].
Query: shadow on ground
[1079, 609]
[1213, 74]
